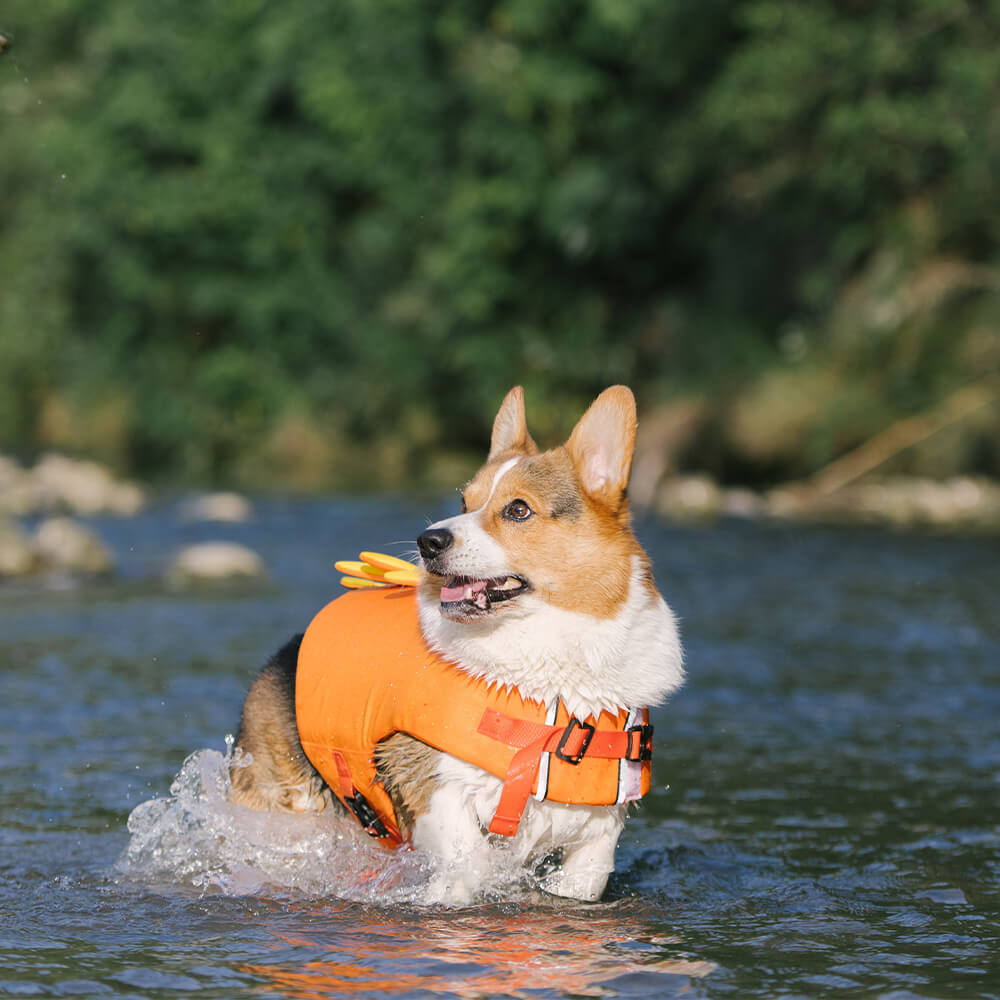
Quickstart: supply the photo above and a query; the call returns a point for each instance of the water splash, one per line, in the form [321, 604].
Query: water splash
[199, 838]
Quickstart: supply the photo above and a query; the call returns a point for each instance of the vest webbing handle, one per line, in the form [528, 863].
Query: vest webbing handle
[571, 743]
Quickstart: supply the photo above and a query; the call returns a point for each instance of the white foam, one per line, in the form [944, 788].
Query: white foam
[198, 839]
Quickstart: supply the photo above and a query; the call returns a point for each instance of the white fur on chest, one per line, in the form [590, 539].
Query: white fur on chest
[549, 653]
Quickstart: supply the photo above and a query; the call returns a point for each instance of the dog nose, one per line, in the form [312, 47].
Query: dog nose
[434, 541]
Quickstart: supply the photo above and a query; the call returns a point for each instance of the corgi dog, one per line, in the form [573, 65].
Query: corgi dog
[538, 588]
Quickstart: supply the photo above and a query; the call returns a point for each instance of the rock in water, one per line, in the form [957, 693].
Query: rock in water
[17, 554]
[222, 506]
[214, 561]
[84, 487]
[68, 545]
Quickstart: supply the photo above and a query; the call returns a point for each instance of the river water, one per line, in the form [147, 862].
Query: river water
[831, 825]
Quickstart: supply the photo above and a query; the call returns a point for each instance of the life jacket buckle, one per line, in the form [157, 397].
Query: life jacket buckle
[366, 815]
[640, 743]
[588, 735]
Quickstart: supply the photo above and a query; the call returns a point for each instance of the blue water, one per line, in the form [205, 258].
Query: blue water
[831, 828]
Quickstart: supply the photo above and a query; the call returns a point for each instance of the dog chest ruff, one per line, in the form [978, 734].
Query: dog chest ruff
[364, 673]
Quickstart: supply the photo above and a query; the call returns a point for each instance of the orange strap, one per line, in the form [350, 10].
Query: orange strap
[570, 743]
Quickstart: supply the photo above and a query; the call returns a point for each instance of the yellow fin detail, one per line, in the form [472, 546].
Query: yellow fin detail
[384, 562]
[378, 570]
[354, 583]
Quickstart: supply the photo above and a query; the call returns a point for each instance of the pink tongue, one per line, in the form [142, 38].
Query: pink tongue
[462, 591]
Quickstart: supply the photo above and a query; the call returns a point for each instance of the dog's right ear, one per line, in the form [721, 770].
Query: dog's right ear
[602, 444]
[510, 429]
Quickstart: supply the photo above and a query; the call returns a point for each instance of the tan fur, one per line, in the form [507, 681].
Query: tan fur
[573, 550]
[408, 770]
[510, 428]
[580, 563]
[602, 444]
[279, 776]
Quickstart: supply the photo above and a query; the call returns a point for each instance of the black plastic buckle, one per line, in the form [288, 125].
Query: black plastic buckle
[575, 723]
[641, 747]
[366, 816]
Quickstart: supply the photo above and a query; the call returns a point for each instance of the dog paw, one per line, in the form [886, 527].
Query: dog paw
[305, 798]
[450, 889]
[587, 889]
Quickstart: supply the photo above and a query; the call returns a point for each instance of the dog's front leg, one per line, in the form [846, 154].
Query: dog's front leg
[450, 832]
[587, 863]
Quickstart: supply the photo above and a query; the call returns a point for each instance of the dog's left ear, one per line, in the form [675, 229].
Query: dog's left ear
[602, 444]
[510, 428]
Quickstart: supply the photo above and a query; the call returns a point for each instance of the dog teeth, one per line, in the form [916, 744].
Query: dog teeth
[480, 592]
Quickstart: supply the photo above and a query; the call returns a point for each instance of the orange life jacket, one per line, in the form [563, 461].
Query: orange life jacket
[365, 673]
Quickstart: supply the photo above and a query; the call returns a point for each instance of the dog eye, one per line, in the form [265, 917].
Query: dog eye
[465, 509]
[517, 510]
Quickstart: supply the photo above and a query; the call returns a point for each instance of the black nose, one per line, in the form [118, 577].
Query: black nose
[434, 541]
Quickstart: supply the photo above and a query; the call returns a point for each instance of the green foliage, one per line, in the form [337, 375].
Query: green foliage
[382, 214]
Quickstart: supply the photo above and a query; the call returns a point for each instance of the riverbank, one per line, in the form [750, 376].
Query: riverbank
[46, 531]
[958, 504]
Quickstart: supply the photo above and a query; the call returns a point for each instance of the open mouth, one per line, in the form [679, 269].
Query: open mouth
[465, 597]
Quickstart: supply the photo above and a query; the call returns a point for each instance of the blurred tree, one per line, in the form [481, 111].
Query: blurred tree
[376, 216]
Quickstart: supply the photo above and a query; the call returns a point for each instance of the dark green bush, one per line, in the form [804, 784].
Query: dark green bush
[380, 215]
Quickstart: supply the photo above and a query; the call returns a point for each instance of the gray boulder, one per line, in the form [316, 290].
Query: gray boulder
[209, 562]
[66, 544]
[17, 555]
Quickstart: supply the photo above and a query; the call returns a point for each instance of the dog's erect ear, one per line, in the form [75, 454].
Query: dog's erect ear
[510, 429]
[602, 444]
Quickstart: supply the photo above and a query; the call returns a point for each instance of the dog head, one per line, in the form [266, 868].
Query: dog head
[539, 583]
[552, 525]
